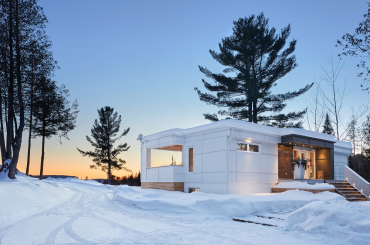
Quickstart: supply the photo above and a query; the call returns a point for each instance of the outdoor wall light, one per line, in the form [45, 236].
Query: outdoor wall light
[361, 190]
[346, 179]
[303, 145]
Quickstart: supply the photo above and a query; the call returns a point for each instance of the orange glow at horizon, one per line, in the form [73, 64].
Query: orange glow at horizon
[64, 159]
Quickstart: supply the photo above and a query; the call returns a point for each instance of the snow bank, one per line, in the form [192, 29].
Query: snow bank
[203, 205]
[304, 185]
[25, 196]
[345, 220]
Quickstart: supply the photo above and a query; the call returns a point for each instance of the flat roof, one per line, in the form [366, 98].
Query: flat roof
[248, 126]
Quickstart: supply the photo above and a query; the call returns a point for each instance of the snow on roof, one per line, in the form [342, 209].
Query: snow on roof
[246, 126]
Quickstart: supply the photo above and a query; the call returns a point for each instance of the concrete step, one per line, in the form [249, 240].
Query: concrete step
[336, 181]
[354, 199]
[354, 195]
[345, 187]
[347, 190]
[342, 184]
[350, 192]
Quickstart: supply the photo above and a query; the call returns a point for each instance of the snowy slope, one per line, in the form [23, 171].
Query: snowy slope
[73, 211]
[26, 196]
[206, 205]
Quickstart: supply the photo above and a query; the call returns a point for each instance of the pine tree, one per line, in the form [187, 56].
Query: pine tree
[327, 127]
[366, 135]
[103, 131]
[256, 55]
[21, 23]
[53, 113]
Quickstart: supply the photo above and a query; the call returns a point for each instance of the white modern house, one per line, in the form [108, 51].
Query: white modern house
[237, 157]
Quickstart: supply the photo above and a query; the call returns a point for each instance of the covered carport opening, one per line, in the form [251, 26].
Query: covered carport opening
[324, 155]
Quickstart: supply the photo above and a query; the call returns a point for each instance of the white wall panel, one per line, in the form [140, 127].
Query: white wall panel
[152, 173]
[275, 139]
[166, 172]
[165, 180]
[217, 188]
[214, 162]
[232, 144]
[143, 173]
[247, 134]
[217, 134]
[179, 177]
[269, 164]
[152, 143]
[192, 138]
[214, 177]
[197, 164]
[196, 145]
[259, 136]
[248, 177]
[179, 169]
[212, 145]
[166, 140]
[248, 162]
[193, 177]
[231, 176]
[232, 161]
[249, 188]
[269, 148]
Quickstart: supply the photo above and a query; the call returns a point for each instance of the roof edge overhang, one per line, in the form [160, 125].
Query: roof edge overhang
[300, 139]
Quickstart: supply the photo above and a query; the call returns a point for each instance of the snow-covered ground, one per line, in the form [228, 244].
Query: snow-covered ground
[73, 211]
[304, 185]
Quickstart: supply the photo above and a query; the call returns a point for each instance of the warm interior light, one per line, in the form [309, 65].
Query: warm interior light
[303, 145]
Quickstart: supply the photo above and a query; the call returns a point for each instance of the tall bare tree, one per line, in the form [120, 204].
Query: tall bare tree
[335, 96]
[315, 109]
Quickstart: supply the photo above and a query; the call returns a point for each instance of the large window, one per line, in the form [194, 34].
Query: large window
[191, 160]
[242, 146]
[166, 156]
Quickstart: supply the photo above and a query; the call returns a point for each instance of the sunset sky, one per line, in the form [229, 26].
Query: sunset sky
[142, 57]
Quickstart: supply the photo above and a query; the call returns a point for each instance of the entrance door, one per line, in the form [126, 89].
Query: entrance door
[310, 172]
[306, 155]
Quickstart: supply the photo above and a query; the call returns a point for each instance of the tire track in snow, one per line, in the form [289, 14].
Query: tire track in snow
[67, 226]
[6, 229]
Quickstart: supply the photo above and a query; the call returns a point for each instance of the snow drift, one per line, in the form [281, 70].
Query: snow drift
[304, 185]
[346, 220]
[205, 205]
[25, 196]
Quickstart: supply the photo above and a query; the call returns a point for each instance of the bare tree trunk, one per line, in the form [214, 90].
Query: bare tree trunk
[9, 135]
[19, 131]
[255, 111]
[42, 155]
[250, 111]
[30, 127]
[2, 140]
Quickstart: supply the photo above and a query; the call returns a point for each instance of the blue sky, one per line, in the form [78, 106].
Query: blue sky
[142, 57]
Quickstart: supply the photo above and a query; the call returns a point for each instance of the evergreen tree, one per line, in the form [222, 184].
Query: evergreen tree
[103, 131]
[53, 113]
[256, 55]
[21, 23]
[327, 127]
[353, 134]
[366, 135]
